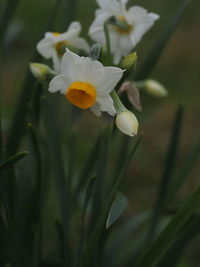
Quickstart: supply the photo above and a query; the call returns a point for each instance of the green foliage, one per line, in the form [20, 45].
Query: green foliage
[87, 211]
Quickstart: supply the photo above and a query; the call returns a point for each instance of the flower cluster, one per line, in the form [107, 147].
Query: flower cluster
[79, 71]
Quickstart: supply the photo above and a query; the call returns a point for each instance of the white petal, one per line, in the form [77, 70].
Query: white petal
[75, 26]
[123, 48]
[110, 6]
[72, 32]
[141, 21]
[45, 47]
[117, 57]
[124, 2]
[106, 104]
[111, 76]
[80, 43]
[96, 30]
[137, 14]
[59, 83]
[82, 68]
[96, 110]
[68, 64]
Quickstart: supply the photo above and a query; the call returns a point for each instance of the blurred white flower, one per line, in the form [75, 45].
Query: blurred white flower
[53, 45]
[127, 123]
[136, 21]
[86, 83]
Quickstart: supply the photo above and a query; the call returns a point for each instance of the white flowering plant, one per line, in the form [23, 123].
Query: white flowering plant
[65, 155]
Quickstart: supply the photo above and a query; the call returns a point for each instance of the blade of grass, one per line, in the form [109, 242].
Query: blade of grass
[171, 156]
[100, 188]
[7, 163]
[85, 207]
[38, 197]
[9, 10]
[93, 240]
[163, 242]
[88, 166]
[4, 243]
[60, 179]
[160, 45]
[173, 254]
[118, 206]
[120, 237]
[183, 173]
[8, 190]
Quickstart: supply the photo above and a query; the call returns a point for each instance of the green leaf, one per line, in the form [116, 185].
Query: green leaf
[10, 161]
[63, 193]
[101, 183]
[183, 173]
[162, 243]
[118, 206]
[160, 45]
[6, 16]
[85, 207]
[99, 227]
[173, 254]
[88, 165]
[171, 156]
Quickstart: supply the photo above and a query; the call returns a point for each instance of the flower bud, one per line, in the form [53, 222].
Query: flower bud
[40, 71]
[127, 123]
[129, 61]
[155, 88]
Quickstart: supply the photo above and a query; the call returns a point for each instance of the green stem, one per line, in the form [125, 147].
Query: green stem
[108, 47]
[6, 17]
[117, 102]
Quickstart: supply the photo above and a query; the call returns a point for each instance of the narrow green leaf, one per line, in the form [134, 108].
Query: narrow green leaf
[57, 164]
[174, 252]
[7, 15]
[121, 245]
[88, 165]
[99, 227]
[4, 242]
[85, 207]
[118, 206]
[171, 156]
[162, 243]
[101, 183]
[183, 173]
[9, 162]
[160, 45]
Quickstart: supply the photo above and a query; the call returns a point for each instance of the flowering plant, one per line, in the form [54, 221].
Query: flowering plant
[84, 80]
[63, 195]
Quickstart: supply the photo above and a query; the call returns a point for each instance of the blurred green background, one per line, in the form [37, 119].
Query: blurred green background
[178, 69]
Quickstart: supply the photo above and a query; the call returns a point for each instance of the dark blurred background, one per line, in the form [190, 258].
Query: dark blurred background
[178, 70]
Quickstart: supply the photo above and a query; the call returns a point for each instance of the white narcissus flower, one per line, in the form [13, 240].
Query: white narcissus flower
[137, 22]
[86, 83]
[53, 44]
